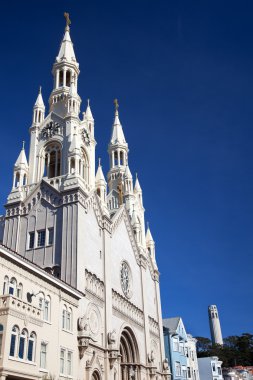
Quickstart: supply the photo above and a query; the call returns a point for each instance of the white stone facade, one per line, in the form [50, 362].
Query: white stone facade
[60, 217]
[192, 360]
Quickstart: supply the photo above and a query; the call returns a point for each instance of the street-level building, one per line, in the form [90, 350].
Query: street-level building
[180, 348]
[80, 247]
[210, 368]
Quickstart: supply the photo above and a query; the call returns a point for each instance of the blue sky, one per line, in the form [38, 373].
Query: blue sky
[183, 74]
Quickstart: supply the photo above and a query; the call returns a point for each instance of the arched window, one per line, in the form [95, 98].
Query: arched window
[45, 306]
[1, 337]
[121, 158]
[6, 285]
[72, 165]
[12, 286]
[31, 347]
[22, 343]
[68, 78]
[24, 180]
[116, 163]
[17, 180]
[19, 290]
[99, 192]
[85, 166]
[67, 318]
[14, 340]
[129, 355]
[61, 78]
[53, 160]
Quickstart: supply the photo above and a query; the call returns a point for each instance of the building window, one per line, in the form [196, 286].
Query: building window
[31, 240]
[67, 318]
[6, 285]
[45, 306]
[175, 345]
[214, 369]
[1, 337]
[22, 344]
[69, 363]
[19, 290]
[14, 338]
[12, 286]
[62, 360]
[31, 347]
[184, 372]
[189, 372]
[50, 236]
[178, 369]
[41, 238]
[219, 370]
[43, 355]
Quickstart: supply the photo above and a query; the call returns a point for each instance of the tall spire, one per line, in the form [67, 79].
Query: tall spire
[117, 131]
[66, 52]
[88, 112]
[21, 160]
[39, 101]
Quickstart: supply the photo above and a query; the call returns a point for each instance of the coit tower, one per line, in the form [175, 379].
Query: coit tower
[214, 322]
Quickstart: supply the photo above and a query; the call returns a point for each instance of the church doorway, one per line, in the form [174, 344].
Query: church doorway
[129, 355]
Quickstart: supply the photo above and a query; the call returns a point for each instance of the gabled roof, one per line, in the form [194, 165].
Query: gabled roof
[171, 323]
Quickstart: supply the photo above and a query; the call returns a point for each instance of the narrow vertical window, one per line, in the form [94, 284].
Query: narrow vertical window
[31, 240]
[43, 355]
[14, 336]
[6, 285]
[62, 358]
[1, 338]
[50, 236]
[22, 344]
[69, 363]
[31, 344]
[41, 238]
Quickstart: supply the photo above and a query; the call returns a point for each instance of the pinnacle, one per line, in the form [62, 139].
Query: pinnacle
[39, 101]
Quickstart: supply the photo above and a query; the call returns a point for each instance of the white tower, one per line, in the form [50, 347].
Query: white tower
[214, 322]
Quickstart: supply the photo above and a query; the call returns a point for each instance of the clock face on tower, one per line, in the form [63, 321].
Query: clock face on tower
[125, 279]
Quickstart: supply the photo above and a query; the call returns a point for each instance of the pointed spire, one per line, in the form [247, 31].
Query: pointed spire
[39, 101]
[66, 49]
[100, 175]
[117, 131]
[149, 238]
[137, 187]
[88, 112]
[128, 174]
[21, 160]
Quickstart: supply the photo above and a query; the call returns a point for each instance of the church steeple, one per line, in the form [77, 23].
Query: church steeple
[20, 169]
[118, 152]
[65, 72]
[38, 109]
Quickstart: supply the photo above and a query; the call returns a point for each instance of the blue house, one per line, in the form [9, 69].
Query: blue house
[175, 341]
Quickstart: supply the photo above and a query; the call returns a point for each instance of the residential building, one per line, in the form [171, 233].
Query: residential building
[79, 278]
[180, 348]
[210, 368]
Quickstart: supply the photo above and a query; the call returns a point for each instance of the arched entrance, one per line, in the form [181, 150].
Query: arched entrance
[129, 355]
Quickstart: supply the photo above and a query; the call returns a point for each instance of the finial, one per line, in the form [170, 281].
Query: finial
[68, 22]
[23, 145]
[136, 175]
[116, 104]
[88, 102]
[40, 88]
[147, 225]
[99, 161]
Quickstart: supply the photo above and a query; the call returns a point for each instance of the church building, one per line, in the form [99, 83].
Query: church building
[79, 283]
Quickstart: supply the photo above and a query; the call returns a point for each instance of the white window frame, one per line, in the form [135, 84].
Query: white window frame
[44, 344]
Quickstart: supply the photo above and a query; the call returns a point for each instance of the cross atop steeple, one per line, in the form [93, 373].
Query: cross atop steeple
[68, 22]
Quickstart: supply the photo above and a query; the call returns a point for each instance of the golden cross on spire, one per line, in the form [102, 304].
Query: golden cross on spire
[116, 104]
[68, 22]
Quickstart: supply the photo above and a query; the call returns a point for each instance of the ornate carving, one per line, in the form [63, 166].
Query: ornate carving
[128, 309]
[112, 337]
[113, 356]
[51, 129]
[151, 357]
[85, 137]
[83, 344]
